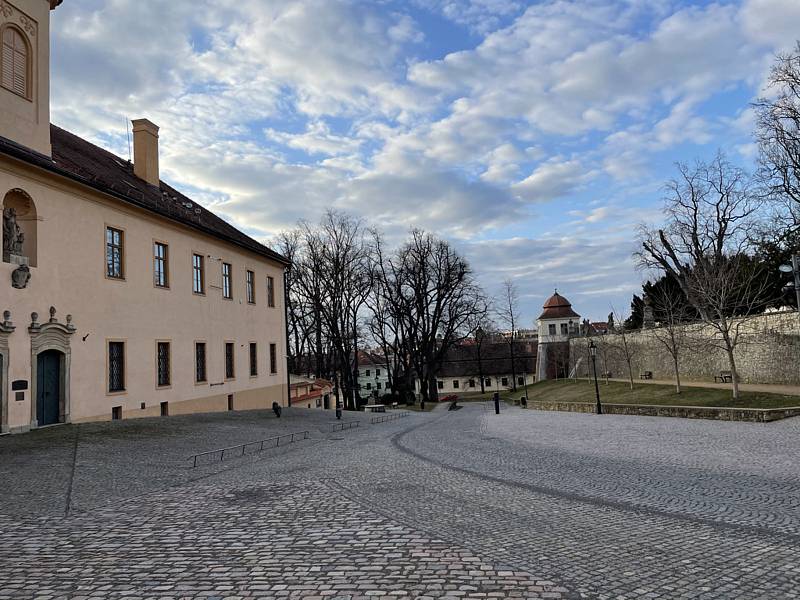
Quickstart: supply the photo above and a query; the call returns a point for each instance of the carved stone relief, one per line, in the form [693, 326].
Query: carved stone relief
[28, 24]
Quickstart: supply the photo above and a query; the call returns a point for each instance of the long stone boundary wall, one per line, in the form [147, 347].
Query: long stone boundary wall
[768, 353]
[755, 415]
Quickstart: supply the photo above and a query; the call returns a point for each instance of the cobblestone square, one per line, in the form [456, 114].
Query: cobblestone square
[462, 504]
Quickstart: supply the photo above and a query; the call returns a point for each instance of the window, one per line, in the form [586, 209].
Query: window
[367, 372]
[227, 290]
[369, 386]
[487, 382]
[440, 385]
[200, 362]
[378, 385]
[253, 359]
[273, 359]
[115, 256]
[230, 372]
[455, 384]
[551, 329]
[116, 367]
[16, 66]
[198, 274]
[564, 330]
[271, 292]
[520, 381]
[377, 372]
[251, 290]
[160, 264]
[472, 383]
[504, 381]
[162, 363]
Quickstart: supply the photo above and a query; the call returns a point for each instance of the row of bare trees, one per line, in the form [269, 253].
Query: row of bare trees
[717, 218]
[346, 288]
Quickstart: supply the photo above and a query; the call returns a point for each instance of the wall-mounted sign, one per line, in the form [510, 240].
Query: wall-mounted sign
[19, 384]
[20, 396]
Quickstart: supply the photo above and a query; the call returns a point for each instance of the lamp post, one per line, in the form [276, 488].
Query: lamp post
[593, 353]
[795, 269]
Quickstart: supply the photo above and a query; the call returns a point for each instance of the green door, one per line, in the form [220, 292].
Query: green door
[48, 388]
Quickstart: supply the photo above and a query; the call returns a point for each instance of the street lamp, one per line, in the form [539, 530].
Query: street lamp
[794, 268]
[593, 354]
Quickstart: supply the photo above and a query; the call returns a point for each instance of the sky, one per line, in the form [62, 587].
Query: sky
[535, 136]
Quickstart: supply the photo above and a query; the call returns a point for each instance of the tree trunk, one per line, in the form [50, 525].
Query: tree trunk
[480, 372]
[734, 374]
[677, 374]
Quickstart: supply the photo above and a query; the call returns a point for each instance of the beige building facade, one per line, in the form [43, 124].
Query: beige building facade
[121, 297]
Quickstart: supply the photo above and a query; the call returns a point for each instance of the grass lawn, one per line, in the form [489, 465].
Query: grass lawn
[643, 393]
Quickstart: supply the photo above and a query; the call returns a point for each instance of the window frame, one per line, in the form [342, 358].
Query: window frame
[165, 260]
[250, 285]
[28, 95]
[121, 247]
[227, 279]
[124, 388]
[270, 291]
[203, 343]
[273, 359]
[159, 385]
[202, 269]
[253, 358]
[232, 345]
[552, 329]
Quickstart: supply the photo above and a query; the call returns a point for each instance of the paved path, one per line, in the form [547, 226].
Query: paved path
[784, 390]
[443, 504]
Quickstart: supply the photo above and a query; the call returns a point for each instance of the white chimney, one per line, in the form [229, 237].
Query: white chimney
[145, 151]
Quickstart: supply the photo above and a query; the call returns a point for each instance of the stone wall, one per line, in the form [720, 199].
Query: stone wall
[768, 353]
[756, 415]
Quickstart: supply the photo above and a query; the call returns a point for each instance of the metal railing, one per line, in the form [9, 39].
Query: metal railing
[341, 426]
[389, 417]
[258, 446]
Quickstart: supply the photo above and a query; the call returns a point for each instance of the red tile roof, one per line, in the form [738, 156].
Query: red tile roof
[558, 307]
[90, 165]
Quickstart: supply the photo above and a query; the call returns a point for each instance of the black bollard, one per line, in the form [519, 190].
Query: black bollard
[338, 410]
[497, 403]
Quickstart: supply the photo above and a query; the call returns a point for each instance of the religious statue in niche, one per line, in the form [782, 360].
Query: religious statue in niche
[13, 237]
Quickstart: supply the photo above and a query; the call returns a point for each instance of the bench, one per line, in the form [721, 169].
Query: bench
[607, 375]
[646, 375]
[723, 377]
[374, 408]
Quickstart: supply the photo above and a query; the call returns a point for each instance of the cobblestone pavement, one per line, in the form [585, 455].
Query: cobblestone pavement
[525, 504]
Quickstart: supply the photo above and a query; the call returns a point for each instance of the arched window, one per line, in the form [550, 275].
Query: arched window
[16, 65]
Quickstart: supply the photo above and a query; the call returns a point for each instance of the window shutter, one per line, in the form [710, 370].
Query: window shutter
[8, 65]
[21, 73]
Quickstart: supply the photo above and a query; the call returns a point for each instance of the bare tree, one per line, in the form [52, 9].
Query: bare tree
[778, 134]
[672, 321]
[710, 209]
[622, 343]
[508, 312]
[442, 301]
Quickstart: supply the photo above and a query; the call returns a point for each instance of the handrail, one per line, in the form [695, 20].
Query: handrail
[389, 417]
[341, 425]
[243, 447]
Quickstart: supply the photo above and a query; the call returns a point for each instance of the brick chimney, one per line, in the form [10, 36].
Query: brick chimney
[145, 151]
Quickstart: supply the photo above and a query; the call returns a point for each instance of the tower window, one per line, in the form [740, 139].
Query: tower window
[16, 62]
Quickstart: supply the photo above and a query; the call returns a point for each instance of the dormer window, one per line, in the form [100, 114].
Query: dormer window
[16, 63]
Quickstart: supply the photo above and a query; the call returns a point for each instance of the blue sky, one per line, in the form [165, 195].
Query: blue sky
[535, 136]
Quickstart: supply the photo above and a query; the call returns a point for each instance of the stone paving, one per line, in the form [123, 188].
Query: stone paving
[526, 504]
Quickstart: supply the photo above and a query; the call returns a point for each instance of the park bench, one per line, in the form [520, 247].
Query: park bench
[723, 377]
[646, 375]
